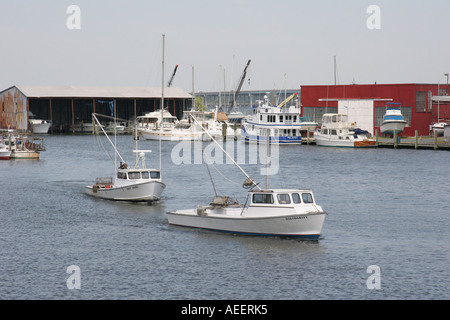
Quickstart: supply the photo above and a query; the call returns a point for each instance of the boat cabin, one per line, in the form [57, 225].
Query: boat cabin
[281, 197]
[138, 174]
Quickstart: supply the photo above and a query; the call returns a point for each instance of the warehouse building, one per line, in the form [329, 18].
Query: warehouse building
[67, 106]
[422, 105]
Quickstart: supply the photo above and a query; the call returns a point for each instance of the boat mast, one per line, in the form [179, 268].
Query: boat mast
[229, 157]
[162, 102]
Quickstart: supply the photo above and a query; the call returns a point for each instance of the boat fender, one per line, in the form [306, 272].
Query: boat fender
[94, 189]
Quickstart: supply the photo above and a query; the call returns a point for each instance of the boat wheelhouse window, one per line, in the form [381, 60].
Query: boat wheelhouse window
[134, 175]
[283, 198]
[333, 131]
[155, 174]
[294, 119]
[281, 118]
[145, 174]
[307, 198]
[121, 175]
[262, 198]
[296, 198]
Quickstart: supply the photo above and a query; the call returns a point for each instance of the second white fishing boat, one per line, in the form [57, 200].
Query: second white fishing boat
[130, 184]
[267, 212]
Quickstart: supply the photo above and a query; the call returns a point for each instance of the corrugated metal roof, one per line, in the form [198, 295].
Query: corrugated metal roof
[101, 92]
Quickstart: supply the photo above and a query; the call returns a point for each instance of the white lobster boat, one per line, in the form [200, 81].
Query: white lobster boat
[266, 212]
[130, 184]
[271, 212]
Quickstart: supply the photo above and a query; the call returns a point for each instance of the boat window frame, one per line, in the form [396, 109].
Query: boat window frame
[267, 198]
[294, 200]
[145, 175]
[309, 197]
[121, 175]
[131, 175]
[285, 195]
[152, 175]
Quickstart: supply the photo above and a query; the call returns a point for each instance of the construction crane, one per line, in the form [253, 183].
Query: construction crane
[238, 89]
[173, 75]
[281, 105]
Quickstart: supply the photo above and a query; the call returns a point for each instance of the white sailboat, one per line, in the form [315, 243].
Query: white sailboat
[266, 212]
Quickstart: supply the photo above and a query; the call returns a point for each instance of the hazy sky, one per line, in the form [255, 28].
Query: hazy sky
[290, 42]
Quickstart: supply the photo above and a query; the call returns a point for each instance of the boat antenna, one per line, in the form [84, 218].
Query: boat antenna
[249, 179]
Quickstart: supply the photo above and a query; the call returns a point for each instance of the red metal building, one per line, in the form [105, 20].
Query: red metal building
[420, 103]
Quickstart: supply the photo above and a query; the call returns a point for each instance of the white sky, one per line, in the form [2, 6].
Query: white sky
[290, 42]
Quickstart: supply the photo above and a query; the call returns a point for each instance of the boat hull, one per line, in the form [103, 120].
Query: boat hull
[306, 226]
[147, 191]
[40, 126]
[171, 136]
[364, 143]
[31, 155]
[390, 127]
[248, 137]
[5, 154]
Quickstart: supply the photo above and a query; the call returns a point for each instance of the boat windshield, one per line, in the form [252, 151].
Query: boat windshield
[307, 198]
[262, 198]
[283, 198]
[134, 175]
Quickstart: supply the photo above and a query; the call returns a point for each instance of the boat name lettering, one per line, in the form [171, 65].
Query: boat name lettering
[294, 218]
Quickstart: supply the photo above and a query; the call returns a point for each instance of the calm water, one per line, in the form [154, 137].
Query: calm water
[386, 207]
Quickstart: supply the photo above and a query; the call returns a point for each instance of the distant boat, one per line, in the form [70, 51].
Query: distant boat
[336, 131]
[393, 120]
[279, 124]
[39, 126]
[162, 125]
[22, 148]
[5, 153]
[438, 127]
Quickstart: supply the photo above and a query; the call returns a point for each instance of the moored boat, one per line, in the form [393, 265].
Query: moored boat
[336, 131]
[438, 128]
[393, 120]
[39, 126]
[279, 124]
[5, 153]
